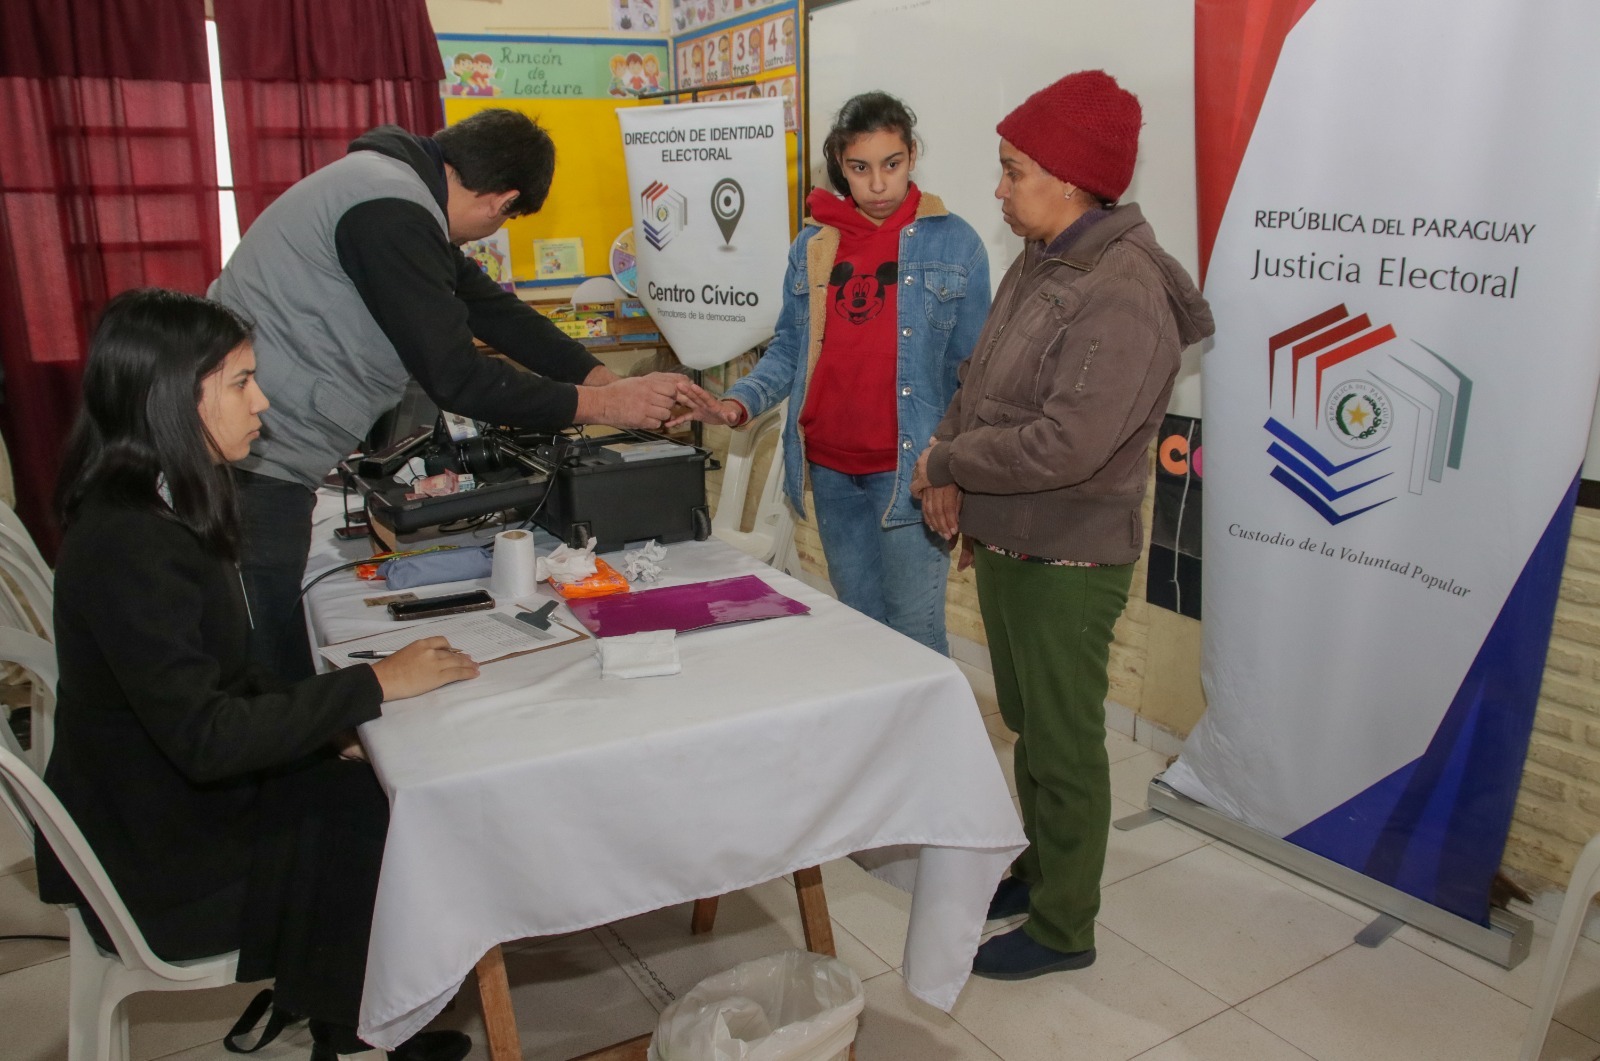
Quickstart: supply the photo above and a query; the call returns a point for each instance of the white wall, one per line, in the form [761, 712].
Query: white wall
[518, 16]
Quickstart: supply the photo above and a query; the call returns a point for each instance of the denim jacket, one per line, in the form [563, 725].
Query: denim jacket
[941, 305]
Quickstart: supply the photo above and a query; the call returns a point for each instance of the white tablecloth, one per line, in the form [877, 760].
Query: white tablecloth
[541, 799]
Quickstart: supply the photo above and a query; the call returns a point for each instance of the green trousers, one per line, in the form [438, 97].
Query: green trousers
[1049, 632]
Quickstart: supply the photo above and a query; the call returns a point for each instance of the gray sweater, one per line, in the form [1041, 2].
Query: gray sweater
[354, 286]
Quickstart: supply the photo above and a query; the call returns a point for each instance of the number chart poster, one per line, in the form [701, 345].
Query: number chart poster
[1396, 410]
[758, 44]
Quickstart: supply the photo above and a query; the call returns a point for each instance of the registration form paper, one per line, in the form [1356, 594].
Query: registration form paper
[485, 637]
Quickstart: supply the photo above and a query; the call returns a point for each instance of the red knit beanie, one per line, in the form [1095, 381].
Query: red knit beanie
[1084, 129]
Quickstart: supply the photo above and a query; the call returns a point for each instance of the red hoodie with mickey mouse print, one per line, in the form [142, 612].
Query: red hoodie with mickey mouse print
[849, 417]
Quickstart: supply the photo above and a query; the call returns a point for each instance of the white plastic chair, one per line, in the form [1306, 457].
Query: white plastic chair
[14, 533]
[771, 538]
[38, 593]
[1583, 887]
[38, 656]
[97, 1023]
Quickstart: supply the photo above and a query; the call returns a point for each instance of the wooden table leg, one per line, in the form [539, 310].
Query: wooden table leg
[705, 915]
[814, 920]
[494, 996]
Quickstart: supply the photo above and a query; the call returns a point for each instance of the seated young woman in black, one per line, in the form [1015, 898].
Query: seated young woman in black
[215, 796]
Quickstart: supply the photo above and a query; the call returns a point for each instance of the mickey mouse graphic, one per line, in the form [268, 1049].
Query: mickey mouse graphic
[860, 298]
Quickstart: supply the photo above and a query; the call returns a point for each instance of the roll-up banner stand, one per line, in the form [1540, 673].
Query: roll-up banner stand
[711, 222]
[1400, 239]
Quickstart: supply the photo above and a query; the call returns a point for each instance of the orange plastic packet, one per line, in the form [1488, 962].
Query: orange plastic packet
[605, 581]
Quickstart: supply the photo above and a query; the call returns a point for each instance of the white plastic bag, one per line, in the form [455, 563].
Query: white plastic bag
[793, 1006]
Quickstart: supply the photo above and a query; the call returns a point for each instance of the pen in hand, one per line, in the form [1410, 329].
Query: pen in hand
[368, 653]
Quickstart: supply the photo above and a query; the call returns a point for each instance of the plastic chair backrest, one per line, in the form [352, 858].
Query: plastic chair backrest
[14, 614]
[39, 656]
[38, 594]
[15, 532]
[25, 794]
[773, 523]
[8, 741]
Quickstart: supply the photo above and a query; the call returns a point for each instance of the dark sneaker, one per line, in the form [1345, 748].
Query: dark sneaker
[1010, 899]
[1016, 956]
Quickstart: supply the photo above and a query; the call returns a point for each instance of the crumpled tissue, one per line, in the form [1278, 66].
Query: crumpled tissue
[641, 655]
[566, 564]
[644, 563]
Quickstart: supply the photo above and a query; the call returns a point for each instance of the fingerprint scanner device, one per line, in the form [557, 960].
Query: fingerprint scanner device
[627, 487]
[618, 488]
[508, 478]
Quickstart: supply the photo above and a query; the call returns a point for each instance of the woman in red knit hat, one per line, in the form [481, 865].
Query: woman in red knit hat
[885, 294]
[1041, 466]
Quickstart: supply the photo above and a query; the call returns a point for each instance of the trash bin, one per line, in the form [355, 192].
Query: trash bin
[792, 1006]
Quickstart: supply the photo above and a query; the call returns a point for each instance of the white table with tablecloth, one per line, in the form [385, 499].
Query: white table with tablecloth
[540, 798]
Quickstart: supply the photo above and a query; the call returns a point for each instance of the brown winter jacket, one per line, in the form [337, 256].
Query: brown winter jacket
[1048, 435]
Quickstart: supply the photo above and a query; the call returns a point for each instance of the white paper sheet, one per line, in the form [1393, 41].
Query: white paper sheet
[485, 636]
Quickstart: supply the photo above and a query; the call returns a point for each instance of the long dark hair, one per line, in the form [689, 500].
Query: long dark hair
[866, 113]
[139, 424]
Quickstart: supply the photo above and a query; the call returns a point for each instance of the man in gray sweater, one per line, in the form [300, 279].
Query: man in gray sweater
[355, 281]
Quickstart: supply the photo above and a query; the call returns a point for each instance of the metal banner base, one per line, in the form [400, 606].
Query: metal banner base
[1505, 941]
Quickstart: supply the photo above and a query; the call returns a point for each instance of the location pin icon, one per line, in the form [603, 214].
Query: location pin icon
[727, 206]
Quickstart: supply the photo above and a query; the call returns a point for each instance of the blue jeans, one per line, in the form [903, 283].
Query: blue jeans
[895, 575]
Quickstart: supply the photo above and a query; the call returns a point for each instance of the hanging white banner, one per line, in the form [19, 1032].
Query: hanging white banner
[711, 222]
[1396, 410]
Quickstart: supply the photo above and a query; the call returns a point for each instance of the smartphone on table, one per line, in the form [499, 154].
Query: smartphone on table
[476, 600]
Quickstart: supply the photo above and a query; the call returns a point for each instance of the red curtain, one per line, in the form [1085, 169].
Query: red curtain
[302, 78]
[107, 181]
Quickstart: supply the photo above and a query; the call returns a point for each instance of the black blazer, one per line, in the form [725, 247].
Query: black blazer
[164, 730]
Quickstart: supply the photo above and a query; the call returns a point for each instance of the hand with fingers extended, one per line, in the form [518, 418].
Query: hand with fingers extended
[422, 667]
[701, 405]
[636, 401]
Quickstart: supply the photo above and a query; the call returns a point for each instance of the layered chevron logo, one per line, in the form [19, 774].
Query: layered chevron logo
[663, 212]
[1376, 413]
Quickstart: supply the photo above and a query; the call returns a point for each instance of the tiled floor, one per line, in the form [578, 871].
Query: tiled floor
[1205, 954]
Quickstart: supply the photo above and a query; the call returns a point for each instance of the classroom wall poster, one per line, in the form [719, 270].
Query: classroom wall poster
[493, 255]
[757, 46]
[558, 259]
[692, 14]
[711, 218]
[636, 16]
[535, 68]
[1400, 239]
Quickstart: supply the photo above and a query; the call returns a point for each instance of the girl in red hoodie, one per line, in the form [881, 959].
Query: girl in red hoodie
[884, 298]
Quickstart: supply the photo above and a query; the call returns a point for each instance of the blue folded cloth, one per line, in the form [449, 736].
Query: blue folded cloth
[427, 569]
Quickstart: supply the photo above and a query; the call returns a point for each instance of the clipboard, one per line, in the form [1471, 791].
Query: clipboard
[487, 637]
